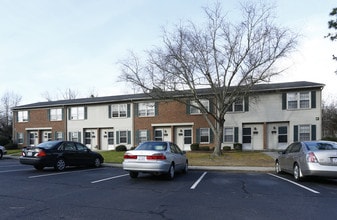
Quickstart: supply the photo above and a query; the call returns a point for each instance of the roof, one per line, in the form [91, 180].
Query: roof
[268, 87]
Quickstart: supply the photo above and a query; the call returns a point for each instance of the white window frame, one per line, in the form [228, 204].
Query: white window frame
[228, 135]
[56, 114]
[22, 116]
[124, 136]
[304, 132]
[20, 138]
[298, 100]
[77, 113]
[142, 136]
[146, 109]
[58, 135]
[194, 110]
[74, 136]
[119, 111]
[111, 137]
[205, 132]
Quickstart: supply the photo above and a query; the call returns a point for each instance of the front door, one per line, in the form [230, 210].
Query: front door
[184, 138]
[46, 136]
[33, 138]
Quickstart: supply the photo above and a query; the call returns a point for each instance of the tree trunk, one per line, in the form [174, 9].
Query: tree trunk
[218, 138]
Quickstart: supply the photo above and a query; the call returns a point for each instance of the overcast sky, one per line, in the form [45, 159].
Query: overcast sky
[53, 45]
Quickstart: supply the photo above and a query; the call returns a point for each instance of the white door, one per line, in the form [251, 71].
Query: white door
[107, 139]
[33, 138]
[183, 138]
[46, 136]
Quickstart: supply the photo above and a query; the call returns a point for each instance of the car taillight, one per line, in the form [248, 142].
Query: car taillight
[311, 158]
[41, 154]
[156, 157]
[129, 156]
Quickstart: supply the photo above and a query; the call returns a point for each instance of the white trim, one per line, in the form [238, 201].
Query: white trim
[33, 129]
[172, 124]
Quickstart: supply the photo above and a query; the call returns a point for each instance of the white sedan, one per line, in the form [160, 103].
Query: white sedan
[155, 157]
[2, 151]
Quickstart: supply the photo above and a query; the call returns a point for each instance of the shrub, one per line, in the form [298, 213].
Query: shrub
[194, 147]
[11, 146]
[4, 141]
[226, 148]
[329, 138]
[204, 148]
[238, 146]
[121, 148]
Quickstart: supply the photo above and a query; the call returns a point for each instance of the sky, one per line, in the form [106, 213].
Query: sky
[49, 46]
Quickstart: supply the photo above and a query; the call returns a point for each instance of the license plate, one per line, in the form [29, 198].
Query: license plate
[29, 154]
[334, 160]
[141, 158]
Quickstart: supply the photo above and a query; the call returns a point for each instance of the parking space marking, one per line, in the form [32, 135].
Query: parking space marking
[54, 174]
[198, 181]
[8, 171]
[297, 184]
[110, 178]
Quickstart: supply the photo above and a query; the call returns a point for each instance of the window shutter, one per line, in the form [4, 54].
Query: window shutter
[313, 99]
[28, 114]
[295, 133]
[117, 137]
[129, 137]
[69, 136]
[48, 115]
[137, 137]
[236, 134]
[188, 108]
[198, 135]
[69, 113]
[246, 100]
[128, 110]
[85, 112]
[79, 137]
[136, 109]
[284, 101]
[313, 132]
[211, 138]
[148, 134]
[109, 111]
[156, 105]
[63, 111]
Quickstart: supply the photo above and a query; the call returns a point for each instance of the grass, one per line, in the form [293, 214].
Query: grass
[230, 158]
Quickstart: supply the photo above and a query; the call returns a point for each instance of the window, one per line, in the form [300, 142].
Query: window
[187, 136]
[22, 116]
[282, 134]
[194, 110]
[304, 132]
[20, 138]
[228, 135]
[146, 109]
[55, 114]
[74, 136]
[59, 136]
[142, 136]
[77, 113]
[204, 135]
[239, 105]
[123, 137]
[158, 135]
[298, 100]
[87, 137]
[119, 111]
[111, 139]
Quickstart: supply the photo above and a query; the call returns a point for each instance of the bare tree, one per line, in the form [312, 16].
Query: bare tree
[8, 101]
[228, 58]
[62, 94]
[329, 120]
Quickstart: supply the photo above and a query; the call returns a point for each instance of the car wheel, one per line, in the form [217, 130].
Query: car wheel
[97, 162]
[60, 165]
[133, 174]
[38, 167]
[185, 170]
[170, 174]
[297, 172]
[1, 154]
[277, 167]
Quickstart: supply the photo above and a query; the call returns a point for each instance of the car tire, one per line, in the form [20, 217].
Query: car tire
[97, 162]
[171, 172]
[278, 169]
[38, 167]
[1, 154]
[297, 172]
[133, 174]
[185, 170]
[60, 164]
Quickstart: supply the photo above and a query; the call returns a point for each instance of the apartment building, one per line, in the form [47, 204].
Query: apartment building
[270, 117]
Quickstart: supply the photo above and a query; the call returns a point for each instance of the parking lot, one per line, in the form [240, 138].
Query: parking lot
[109, 193]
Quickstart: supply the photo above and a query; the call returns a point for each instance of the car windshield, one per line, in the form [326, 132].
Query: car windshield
[48, 145]
[316, 146]
[159, 146]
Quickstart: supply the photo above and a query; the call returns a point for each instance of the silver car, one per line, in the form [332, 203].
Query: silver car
[155, 157]
[308, 158]
[3, 151]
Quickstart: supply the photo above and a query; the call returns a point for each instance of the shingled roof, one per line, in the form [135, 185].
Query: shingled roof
[269, 87]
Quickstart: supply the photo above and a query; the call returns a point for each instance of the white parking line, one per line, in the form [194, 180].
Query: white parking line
[54, 174]
[198, 181]
[110, 178]
[8, 171]
[297, 184]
